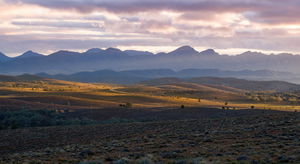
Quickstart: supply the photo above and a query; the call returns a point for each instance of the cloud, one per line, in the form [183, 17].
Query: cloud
[61, 24]
[265, 11]
[21, 43]
[82, 24]
[145, 5]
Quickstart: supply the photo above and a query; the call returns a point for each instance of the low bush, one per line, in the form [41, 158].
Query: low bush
[37, 118]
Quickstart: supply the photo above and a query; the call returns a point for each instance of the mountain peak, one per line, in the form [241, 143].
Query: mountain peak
[64, 53]
[252, 53]
[29, 54]
[137, 53]
[184, 50]
[112, 49]
[209, 52]
[94, 51]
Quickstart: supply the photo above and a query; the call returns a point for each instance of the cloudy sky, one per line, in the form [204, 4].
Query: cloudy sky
[230, 26]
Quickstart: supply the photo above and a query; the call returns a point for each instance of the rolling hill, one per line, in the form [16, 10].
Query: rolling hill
[43, 93]
[250, 85]
[136, 76]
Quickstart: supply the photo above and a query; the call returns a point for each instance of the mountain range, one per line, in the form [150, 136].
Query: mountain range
[186, 57]
[136, 76]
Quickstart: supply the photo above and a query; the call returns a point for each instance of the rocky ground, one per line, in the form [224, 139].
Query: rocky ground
[265, 138]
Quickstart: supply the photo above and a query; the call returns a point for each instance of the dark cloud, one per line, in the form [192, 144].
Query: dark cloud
[144, 5]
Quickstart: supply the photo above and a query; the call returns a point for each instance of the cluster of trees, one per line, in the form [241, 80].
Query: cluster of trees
[126, 105]
[37, 118]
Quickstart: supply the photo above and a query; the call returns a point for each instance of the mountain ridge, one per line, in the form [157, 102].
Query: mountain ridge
[29, 54]
[135, 76]
[185, 57]
[184, 50]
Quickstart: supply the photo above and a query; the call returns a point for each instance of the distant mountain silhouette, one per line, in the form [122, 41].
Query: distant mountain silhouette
[185, 50]
[137, 53]
[209, 52]
[29, 54]
[103, 76]
[113, 51]
[63, 53]
[186, 57]
[252, 53]
[94, 51]
[135, 76]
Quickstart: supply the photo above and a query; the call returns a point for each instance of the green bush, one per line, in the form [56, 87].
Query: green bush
[37, 118]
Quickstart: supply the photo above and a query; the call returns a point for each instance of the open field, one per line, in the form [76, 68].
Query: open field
[55, 94]
[264, 138]
[181, 122]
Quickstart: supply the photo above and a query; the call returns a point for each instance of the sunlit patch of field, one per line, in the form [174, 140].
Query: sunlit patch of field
[53, 93]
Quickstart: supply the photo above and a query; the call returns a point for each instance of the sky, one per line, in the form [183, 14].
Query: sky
[229, 26]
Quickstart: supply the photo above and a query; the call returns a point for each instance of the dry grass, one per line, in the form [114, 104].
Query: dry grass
[84, 95]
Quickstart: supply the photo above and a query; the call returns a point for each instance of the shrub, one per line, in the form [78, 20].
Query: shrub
[128, 105]
[37, 118]
[92, 162]
[144, 160]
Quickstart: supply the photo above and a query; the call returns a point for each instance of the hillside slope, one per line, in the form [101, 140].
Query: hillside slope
[250, 85]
